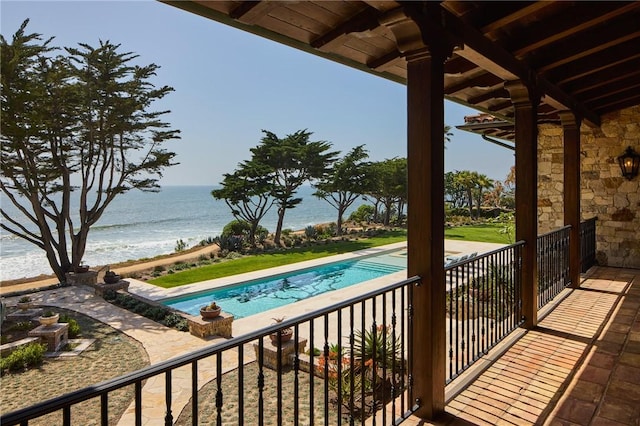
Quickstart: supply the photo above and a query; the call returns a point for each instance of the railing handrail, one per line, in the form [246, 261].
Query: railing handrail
[565, 227]
[71, 398]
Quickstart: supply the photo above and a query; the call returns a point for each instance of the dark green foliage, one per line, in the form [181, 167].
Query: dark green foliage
[310, 232]
[156, 313]
[207, 241]
[290, 162]
[176, 321]
[74, 327]
[345, 182]
[364, 213]
[77, 128]
[230, 243]
[236, 227]
[180, 245]
[22, 358]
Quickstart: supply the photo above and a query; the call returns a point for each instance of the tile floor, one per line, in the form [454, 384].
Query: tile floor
[580, 366]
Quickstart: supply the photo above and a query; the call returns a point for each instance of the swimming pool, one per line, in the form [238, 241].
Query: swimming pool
[257, 296]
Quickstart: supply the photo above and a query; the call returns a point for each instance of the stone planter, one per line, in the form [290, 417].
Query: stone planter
[47, 321]
[23, 306]
[210, 314]
[285, 336]
[111, 278]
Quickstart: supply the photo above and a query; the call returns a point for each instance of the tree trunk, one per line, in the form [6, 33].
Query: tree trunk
[341, 210]
[276, 238]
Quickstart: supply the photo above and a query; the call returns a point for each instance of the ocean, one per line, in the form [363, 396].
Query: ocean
[142, 225]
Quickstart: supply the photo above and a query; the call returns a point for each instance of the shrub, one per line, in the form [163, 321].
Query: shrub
[310, 232]
[364, 213]
[176, 321]
[74, 327]
[24, 357]
[207, 241]
[379, 345]
[22, 326]
[237, 228]
[230, 242]
[180, 245]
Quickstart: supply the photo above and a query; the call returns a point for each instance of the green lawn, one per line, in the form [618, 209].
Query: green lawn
[487, 233]
[269, 260]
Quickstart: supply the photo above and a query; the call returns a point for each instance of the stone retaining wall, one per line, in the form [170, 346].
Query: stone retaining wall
[604, 192]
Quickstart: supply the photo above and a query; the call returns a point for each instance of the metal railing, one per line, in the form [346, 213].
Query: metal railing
[356, 364]
[346, 361]
[588, 243]
[553, 264]
[483, 305]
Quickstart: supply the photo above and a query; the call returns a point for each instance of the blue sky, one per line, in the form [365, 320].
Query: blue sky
[230, 84]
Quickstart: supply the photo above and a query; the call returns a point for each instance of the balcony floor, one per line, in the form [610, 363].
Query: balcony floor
[580, 366]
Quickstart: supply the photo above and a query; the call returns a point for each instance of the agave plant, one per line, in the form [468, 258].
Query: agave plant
[380, 346]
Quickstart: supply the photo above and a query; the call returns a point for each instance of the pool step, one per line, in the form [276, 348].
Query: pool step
[379, 267]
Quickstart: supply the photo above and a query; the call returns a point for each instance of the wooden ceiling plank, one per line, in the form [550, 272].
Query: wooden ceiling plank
[620, 104]
[555, 34]
[384, 60]
[488, 64]
[519, 14]
[484, 79]
[563, 57]
[458, 65]
[622, 94]
[613, 87]
[366, 20]
[250, 12]
[586, 66]
[604, 77]
[498, 91]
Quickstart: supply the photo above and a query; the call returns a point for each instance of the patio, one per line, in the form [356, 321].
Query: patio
[580, 366]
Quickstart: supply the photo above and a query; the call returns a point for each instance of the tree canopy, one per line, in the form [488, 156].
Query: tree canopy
[77, 130]
[292, 161]
[345, 182]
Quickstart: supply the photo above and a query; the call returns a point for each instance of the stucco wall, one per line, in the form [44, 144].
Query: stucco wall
[604, 192]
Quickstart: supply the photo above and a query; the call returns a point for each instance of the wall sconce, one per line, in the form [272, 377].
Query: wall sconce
[629, 163]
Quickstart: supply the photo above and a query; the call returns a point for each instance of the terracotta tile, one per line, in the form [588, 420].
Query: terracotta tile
[619, 410]
[525, 399]
[561, 422]
[601, 421]
[627, 373]
[609, 347]
[624, 391]
[603, 360]
[595, 374]
[632, 347]
[526, 412]
[477, 417]
[577, 411]
[615, 337]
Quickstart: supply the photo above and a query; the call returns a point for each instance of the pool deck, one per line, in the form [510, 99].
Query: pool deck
[174, 343]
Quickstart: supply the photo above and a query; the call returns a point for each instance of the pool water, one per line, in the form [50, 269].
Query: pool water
[252, 297]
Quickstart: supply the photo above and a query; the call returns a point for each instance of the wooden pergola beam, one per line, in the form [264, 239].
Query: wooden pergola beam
[487, 55]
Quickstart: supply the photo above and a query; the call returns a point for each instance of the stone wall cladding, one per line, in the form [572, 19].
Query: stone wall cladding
[604, 192]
